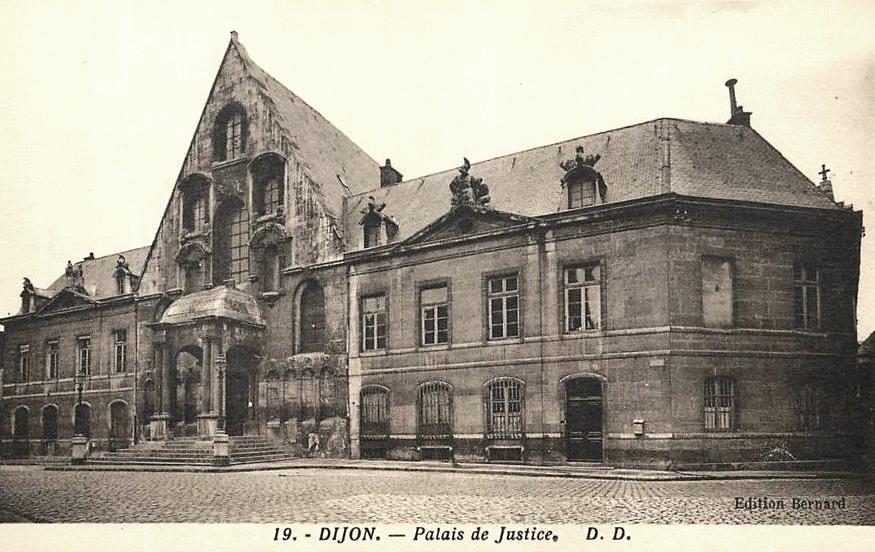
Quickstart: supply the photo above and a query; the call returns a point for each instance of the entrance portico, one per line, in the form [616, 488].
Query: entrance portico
[206, 350]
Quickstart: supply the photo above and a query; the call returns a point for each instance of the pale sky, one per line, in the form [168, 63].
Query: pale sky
[100, 99]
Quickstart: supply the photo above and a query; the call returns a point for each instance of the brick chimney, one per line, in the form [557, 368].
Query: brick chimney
[388, 175]
[737, 114]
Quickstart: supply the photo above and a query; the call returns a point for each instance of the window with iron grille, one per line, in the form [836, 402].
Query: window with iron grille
[719, 403]
[434, 411]
[54, 360]
[84, 350]
[582, 298]
[120, 359]
[435, 312]
[503, 299]
[374, 323]
[24, 363]
[505, 409]
[807, 297]
[375, 411]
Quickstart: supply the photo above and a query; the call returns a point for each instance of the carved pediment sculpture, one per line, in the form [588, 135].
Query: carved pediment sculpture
[468, 189]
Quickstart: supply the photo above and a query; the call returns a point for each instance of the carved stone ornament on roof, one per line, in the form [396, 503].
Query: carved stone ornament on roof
[28, 286]
[467, 189]
[373, 209]
[582, 167]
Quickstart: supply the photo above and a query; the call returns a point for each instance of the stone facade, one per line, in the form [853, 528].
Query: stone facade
[666, 294]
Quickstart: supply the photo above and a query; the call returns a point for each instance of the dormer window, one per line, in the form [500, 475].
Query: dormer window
[372, 233]
[580, 194]
[268, 179]
[229, 133]
[376, 225]
[584, 186]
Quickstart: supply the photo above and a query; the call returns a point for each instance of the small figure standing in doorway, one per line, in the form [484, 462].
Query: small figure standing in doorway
[313, 443]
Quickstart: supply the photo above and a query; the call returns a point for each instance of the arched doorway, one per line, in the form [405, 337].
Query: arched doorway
[240, 397]
[82, 420]
[311, 318]
[119, 434]
[21, 431]
[187, 389]
[50, 428]
[584, 434]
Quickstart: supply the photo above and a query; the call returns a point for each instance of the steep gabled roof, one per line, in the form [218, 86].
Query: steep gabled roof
[98, 273]
[708, 160]
[331, 159]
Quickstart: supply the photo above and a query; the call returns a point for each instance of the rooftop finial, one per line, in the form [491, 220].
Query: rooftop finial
[737, 114]
[234, 36]
[823, 172]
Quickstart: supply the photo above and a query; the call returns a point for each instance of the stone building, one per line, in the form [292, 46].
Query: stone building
[668, 293]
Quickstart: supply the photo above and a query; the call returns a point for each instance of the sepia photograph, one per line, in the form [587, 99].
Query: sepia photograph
[500, 273]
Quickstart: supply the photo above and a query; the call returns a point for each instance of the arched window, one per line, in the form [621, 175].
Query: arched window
[194, 209]
[720, 412]
[231, 251]
[268, 179]
[375, 412]
[504, 409]
[434, 411]
[50, 428]
[21, 431]
[229, 133]
[312, 319]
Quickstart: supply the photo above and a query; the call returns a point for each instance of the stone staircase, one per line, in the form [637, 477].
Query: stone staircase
[191, 451]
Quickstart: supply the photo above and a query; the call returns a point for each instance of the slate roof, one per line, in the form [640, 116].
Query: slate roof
[709, 160]
[320, 146]
[98, 273]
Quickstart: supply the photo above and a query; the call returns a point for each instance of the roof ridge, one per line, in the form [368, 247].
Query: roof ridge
[557, 143]
[114, 254]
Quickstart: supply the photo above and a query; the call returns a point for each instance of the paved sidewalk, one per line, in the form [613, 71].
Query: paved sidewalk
[572, 471]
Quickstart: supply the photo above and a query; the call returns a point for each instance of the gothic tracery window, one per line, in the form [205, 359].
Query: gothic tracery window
[229, 133]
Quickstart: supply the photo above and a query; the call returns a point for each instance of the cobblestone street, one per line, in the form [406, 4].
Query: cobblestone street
[355, 496]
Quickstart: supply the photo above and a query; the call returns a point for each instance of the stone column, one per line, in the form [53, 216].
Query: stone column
[159, 424]
[355, 366]
[219, 391]
[207, 418]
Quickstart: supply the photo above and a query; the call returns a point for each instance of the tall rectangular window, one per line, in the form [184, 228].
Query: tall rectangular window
[504, 408]
[435, 311]
[503, 299]
[53, 360]
[719, 403]
[24, 363]
[582, 298]
[234, 137]
[84, 353]
[717, 284]
[372, 234]
[374, 323]
[807, 297]
[120, 347]
[375, 411]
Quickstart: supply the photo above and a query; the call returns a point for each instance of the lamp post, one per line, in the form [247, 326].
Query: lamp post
[79, 443]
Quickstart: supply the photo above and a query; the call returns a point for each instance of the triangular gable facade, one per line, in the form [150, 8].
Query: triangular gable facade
[321, 167]
[65, 299]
